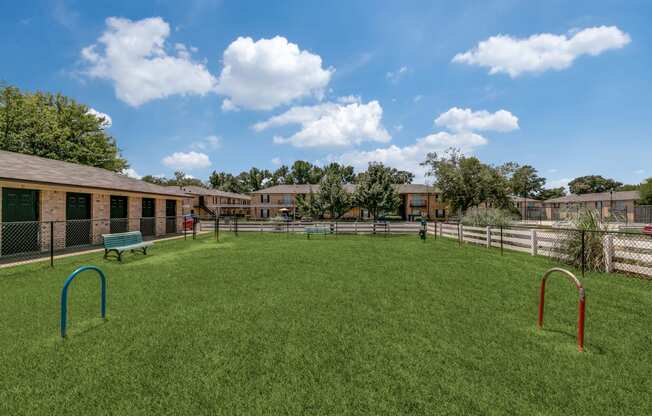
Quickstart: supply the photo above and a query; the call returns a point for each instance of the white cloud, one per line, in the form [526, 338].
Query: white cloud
[190, 160]
[553, 170]
[557, 183]
[132, 54]
[458, 119]
[541, 52]
[264, 74]
[348, 99]
[207, 143]
[331, 124]
[277, 161]
[639, 171]
[417, 98]
[398, 127]
[227, 105]
[409, 157]
[395, 76]
[131, 172]
[105, 118]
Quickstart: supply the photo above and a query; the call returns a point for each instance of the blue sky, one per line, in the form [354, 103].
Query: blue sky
[209, 85]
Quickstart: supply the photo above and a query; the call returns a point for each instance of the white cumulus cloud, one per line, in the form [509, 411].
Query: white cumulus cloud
[331, 124]
[133, 55]
[264, 74]
[104, 118]
[464, 119]
[131, 172]
[541, 52]
[189, 160]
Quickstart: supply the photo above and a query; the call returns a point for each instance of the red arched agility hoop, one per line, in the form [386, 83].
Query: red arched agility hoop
[582, 302]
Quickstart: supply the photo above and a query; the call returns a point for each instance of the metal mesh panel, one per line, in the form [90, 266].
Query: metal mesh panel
[21, 240]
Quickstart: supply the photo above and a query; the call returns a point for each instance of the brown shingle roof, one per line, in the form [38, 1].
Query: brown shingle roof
[17, 166]
[603, 196]
[198, 190]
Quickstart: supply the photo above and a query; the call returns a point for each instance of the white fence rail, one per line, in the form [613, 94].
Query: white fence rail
[629, 253]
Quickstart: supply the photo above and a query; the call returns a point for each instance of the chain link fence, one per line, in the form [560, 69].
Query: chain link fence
[30, 240]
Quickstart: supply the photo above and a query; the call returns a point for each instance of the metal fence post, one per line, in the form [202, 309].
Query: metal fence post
[583, 254]
[236, 226]
[217, 225]
[194, 229]
[51, 243]
[501, 240]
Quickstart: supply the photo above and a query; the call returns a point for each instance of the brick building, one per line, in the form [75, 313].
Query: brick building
[76, 204]
[416, 201]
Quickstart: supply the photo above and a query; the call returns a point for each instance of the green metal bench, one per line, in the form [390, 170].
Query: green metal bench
[122, 242]
[317, 230]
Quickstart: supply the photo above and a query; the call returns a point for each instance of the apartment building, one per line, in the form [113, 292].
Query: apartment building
[206, 202]
[416, 201]
[609, 204]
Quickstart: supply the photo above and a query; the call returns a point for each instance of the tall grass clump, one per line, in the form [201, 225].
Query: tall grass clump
[588, 226]
[493, 217]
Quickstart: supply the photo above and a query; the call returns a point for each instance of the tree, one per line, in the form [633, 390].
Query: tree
[345, 172]
[255, 179]
[332, 196]
[375, 191]
[550, 193]
[181, 179]
[310, 206]
[466, 182]
[156, 180]
[280, 176]
[228, 183]
[56, 127]
[525, 182]
[300, 172]
[645, 189]
[592, 184]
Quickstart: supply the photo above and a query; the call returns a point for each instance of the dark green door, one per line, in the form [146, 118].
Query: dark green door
[119, 222]
[171, 216]
[20, 226]
[147, 221]
[78, 219]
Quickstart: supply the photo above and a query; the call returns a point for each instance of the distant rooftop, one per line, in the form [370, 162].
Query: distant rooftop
[603, 196]
[198, 190]
[21, 167]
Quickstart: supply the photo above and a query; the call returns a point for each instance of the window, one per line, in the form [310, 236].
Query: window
[619, 204]
[286, 200]
[264, 213]
[418, 201]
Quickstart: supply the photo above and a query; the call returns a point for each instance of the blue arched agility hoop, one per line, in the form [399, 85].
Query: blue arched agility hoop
[64, 295]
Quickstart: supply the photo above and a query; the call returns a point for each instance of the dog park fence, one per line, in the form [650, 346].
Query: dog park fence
[31, 240]
[607, 251]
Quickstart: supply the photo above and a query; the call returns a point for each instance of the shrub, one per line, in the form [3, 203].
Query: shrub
[493, 217]
[586, 225]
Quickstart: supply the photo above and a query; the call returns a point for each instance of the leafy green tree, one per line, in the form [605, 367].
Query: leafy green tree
[592, 184]
[255, 179]
[645, 189]
[300, 172]
[345, 172]
[332, 195]
[550, 193]
[375, 191]
[227, 182]
[466, 181]
[181, 179]
[310, 206]
[525, 182]
[156, 180]
[280, 176]
[56, 127]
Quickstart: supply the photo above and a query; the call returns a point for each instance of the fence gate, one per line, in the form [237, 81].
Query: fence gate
[78, 219]
[20, 227]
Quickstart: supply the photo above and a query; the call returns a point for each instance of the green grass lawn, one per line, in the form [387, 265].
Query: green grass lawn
[276, 324]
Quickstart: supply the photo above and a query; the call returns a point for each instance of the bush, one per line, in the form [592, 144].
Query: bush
[586, 225]
[493, 217]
